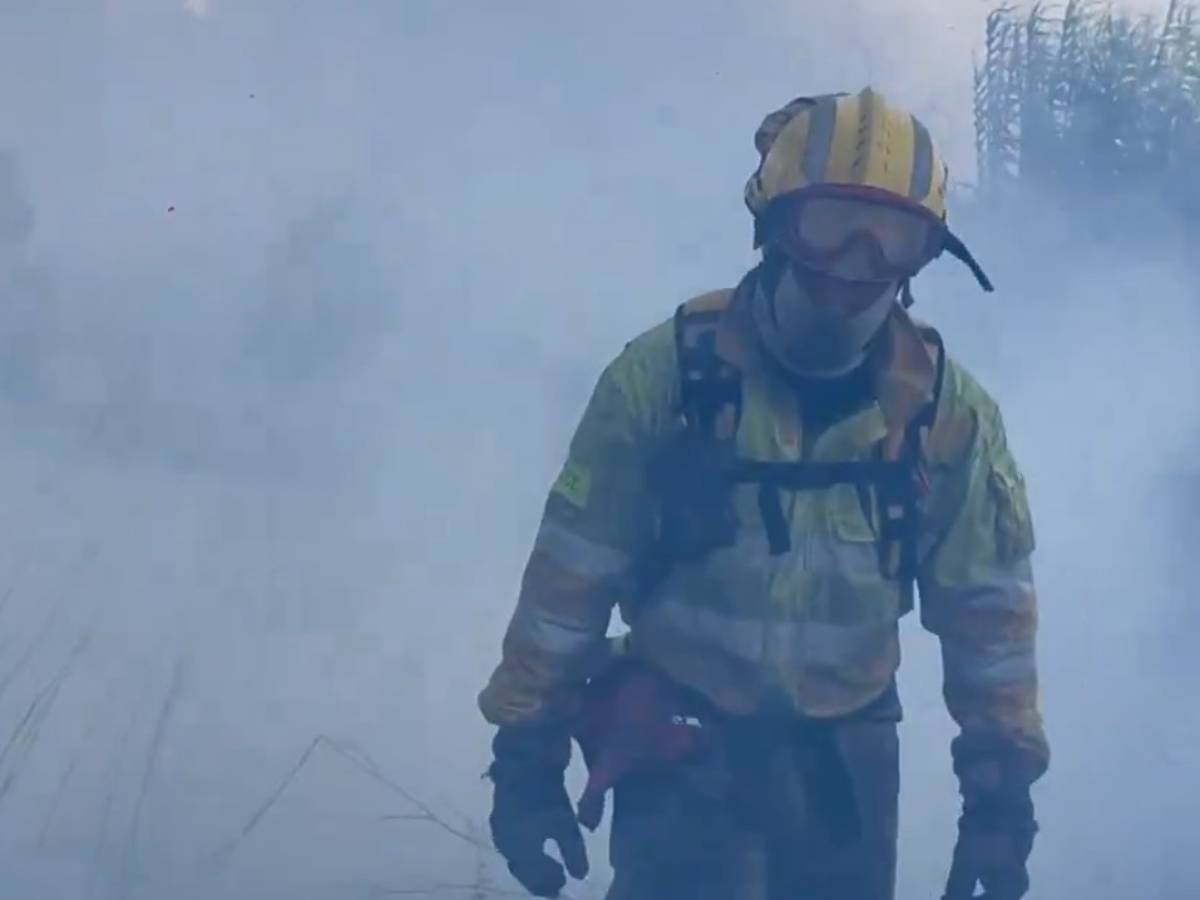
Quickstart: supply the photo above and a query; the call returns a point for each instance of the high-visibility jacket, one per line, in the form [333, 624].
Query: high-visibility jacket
[807, 620]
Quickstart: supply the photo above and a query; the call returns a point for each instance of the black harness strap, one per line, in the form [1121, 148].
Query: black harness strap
[706, 383]
[709, 385]
[770, 507]
[818, 476]
[903, 528]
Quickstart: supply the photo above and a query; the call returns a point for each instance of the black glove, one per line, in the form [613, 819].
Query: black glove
[530, 806]
[994, 843]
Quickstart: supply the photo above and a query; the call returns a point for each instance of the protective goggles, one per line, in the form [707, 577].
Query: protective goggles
[857, 233]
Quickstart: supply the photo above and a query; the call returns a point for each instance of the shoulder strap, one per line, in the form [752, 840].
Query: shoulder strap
[901, 518]
[710, 389]
[927, 416]
[710, 407]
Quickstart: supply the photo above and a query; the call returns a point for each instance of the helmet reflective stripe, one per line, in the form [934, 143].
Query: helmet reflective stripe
[822, 124]
[922, 173]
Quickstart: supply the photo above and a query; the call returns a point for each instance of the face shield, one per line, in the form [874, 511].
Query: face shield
[860, 233]
[855, 234]
[836, 261]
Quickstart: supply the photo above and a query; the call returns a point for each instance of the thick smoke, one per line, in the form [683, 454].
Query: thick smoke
[300, 304]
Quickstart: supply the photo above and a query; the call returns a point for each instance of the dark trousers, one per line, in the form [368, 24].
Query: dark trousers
[764, 824]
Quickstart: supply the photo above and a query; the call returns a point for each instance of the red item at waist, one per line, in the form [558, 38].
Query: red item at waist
[633, 719]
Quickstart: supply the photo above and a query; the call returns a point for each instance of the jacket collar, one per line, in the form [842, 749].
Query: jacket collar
[905, 365]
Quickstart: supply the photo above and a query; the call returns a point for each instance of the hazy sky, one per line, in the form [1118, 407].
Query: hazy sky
[322, 288]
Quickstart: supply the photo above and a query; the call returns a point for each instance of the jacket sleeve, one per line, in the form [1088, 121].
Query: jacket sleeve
[597, 522]
[978, 597]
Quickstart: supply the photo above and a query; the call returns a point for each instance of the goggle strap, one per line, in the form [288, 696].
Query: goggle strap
[959, 251]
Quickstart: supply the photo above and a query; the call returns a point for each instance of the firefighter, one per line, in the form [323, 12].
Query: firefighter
[762, 484]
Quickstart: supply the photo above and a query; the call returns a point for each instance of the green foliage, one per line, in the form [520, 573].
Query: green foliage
[1082, 97]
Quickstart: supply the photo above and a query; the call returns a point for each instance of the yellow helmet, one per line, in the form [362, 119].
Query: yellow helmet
[859, 143]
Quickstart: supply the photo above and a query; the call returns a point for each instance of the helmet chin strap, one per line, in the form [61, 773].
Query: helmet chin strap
[956, 248]
[770, 268]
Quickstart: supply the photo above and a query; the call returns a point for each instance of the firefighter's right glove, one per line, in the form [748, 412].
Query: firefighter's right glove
[530, 807]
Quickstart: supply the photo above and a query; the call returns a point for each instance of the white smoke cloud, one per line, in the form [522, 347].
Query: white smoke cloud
[295, 433]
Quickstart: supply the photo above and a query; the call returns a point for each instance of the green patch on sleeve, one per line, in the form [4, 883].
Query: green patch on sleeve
[574, 484]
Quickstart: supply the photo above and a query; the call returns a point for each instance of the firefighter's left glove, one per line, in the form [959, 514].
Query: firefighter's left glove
[994, 843]
[997, 828]
[530, 806]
